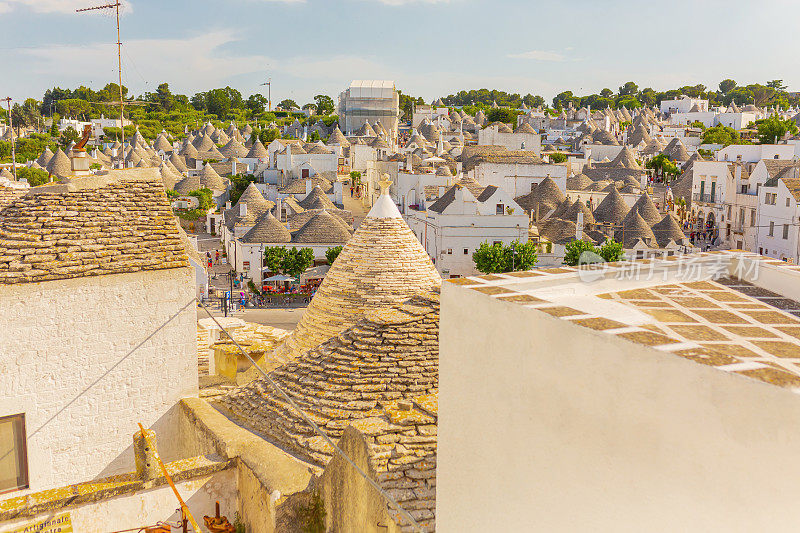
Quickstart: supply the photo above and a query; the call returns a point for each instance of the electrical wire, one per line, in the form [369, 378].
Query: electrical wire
[316, 428]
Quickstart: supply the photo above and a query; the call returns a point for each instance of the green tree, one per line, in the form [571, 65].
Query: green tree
[721, 135]
[324, 104]
[68, 136]
[726, 86]
[496, 258]
[256, 103]
[355, 177]
[268, 135]
[503, 114]
[332, 253]
[663, 166]
[205, 197]
[629, 89]
[606, 93]
[534, 101]
[218, 102]
[777, 85]
[273, 257]
[558, 157]
[580, 252]
[288, 104]
[34, 176]
[772, 129]
[611, 251]
[164, 97]
[295, 262]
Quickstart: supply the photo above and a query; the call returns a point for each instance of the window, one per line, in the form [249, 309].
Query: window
[771, 229]
[752, 217]
[449, 251]
[745, 189]
[770, 198]
[466, 251]
[500, 209]
[786, 231]
[13, 454]
[787, 200]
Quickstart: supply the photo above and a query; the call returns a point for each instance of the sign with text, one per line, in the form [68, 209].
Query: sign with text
[61, 523]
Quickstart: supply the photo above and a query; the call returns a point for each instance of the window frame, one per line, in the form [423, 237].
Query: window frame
[23, 453]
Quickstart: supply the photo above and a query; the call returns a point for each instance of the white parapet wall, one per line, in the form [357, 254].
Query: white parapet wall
[549, 426]
[87, 359]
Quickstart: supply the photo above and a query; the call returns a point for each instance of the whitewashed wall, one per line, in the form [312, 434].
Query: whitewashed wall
[86, 359]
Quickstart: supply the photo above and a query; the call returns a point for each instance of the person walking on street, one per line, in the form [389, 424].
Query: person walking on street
[351, 191]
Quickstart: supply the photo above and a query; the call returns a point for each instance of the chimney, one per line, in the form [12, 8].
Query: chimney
[409, 164]
[579, 226]
[308, 186]
[279, 209]
[233, 166]
[227, 205]
[242, 209]
[441, 191]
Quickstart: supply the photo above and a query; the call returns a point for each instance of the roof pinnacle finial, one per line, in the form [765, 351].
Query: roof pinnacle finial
[385, 183]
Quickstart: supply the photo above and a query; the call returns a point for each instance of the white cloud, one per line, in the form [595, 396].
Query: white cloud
[539, 55]
[202, 63]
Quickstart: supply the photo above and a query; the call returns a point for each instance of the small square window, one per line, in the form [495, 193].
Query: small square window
[500, 209]
[466, 251]
[449, 251]
[13, 454]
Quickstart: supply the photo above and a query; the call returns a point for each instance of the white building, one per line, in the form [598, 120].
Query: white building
[456, 224]
[753, 153]
[684, 104]
[779, 216]
[523, 138]
[369, 101]
[99, 333]
[580, 400]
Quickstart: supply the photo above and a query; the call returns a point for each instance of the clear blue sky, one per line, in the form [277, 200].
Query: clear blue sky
[430, 48]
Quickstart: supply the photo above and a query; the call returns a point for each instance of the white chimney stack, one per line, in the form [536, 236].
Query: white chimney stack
[579, 226]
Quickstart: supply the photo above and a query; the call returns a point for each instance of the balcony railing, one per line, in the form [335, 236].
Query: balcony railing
[707, 198]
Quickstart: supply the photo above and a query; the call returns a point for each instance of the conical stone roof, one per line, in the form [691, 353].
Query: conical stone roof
[257, 151]
[676, 151]
[344, 381]
[578, 182]
[337, 137]
[234, 149]
[668, 229]
[546, 195]
[59, 164]
[579, 207]
[45, 158]
[612, 209]
[323, 228]
[254, 199]
[646, 209]
[317, 199]
[5, 173]
[210, 179]
[168, 177]
[190, 151]
[267, 229]
[178, 162]
[188, 184]
[382, 264]
[626, 159]
[635, 228]
[162, 143]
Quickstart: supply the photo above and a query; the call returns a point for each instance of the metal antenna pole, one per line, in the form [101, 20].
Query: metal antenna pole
[116, 5]
[13, 141]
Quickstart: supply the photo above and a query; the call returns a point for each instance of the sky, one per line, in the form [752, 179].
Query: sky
[430, 48]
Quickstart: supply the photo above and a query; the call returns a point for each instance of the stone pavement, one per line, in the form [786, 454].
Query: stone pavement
[355, 206]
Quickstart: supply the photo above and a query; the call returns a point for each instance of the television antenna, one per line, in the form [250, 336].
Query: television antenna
[116, 5]
[268, 83]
